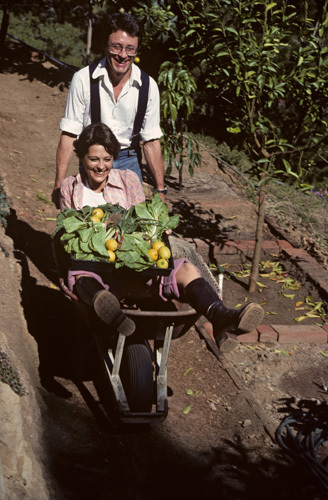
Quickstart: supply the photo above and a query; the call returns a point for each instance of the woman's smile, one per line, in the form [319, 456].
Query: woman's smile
[97, 164]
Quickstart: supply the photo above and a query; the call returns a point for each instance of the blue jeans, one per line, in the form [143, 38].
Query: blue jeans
[128, 158]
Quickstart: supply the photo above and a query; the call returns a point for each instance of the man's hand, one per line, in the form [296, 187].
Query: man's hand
[55, 197]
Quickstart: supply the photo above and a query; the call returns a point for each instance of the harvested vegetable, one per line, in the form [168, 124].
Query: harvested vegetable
[134, 231]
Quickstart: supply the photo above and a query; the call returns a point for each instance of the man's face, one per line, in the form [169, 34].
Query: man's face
[121, 51]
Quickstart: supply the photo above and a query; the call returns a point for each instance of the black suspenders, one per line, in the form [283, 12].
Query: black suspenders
[141, 109]
[94, 95]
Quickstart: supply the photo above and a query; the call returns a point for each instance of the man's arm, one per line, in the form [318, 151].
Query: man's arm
[155, 162]
[64, 156]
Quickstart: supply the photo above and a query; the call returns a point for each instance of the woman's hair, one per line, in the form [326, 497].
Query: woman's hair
[122, 21]
[97, 133]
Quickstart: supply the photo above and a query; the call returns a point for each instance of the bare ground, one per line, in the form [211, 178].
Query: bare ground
[225, 446]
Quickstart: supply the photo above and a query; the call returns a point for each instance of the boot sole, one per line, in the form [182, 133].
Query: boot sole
[250, 318]
[108, 309]
[227, 343]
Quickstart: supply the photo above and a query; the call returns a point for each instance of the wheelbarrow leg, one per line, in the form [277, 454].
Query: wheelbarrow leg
[114, 375]
[161, 360]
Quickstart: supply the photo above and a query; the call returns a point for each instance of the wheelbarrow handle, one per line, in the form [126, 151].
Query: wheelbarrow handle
[160, 314]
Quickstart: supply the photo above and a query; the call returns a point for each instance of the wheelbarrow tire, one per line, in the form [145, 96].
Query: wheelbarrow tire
[137, 377]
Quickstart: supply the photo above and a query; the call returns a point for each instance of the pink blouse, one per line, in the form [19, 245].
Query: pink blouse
[122, 187]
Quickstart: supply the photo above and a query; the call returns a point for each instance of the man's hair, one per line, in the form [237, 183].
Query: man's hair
[124, 22]
[97, 133]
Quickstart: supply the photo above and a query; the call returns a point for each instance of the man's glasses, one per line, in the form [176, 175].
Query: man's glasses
[117, 48]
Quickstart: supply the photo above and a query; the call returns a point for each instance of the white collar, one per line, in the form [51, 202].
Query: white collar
[101, 70]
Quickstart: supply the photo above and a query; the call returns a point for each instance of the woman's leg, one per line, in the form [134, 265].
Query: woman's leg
[204, 299]
[105, 304]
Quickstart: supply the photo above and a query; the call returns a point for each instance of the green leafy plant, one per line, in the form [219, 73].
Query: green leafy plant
[177, 89]
[266, 63]
[60, 40]
[134, 229]
[158, 21]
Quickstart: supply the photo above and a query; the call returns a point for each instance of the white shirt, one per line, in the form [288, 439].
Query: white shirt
[118, 115]
[91, 198]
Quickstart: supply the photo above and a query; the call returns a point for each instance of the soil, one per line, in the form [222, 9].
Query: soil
[225, 445]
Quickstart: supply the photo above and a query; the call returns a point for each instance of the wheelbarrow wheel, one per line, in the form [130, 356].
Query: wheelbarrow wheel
[137, 377]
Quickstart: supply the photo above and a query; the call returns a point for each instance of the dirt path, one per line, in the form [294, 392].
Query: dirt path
[222, 447]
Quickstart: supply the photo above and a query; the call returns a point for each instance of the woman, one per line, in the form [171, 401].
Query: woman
[98, 183]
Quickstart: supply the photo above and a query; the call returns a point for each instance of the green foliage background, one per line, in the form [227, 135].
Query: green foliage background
[59, 28]
[190, 32]
[62, 41]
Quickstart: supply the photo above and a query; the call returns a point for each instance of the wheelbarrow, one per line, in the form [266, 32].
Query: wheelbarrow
[130, 373]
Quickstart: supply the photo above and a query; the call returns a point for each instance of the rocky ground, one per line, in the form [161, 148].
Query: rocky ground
[225, 445]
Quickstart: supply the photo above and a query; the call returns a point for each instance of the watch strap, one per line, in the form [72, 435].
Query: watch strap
[161, 191]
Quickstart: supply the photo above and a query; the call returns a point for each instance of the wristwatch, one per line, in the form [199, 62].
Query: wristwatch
[161, 191]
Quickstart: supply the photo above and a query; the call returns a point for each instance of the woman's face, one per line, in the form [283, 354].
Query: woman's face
[97, 164]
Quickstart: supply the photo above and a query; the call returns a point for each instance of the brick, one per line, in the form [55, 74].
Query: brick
[249, 338]
[245, 338]
[297, 254]
[283, 244]
[232, 247]
[310, 268]
[231, 202]
[270, 246]
[208, 327]
[200, 243]
[325, 328]
[300, 333]
[229, 248]
[267, 334]
[244, 245]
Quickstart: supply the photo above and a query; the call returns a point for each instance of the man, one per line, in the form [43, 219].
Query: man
[119, 87]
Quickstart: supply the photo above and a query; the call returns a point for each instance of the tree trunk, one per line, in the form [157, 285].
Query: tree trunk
[89, 32]
[4, 28]
[181, 155]
[180, 179]
[258, 241]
